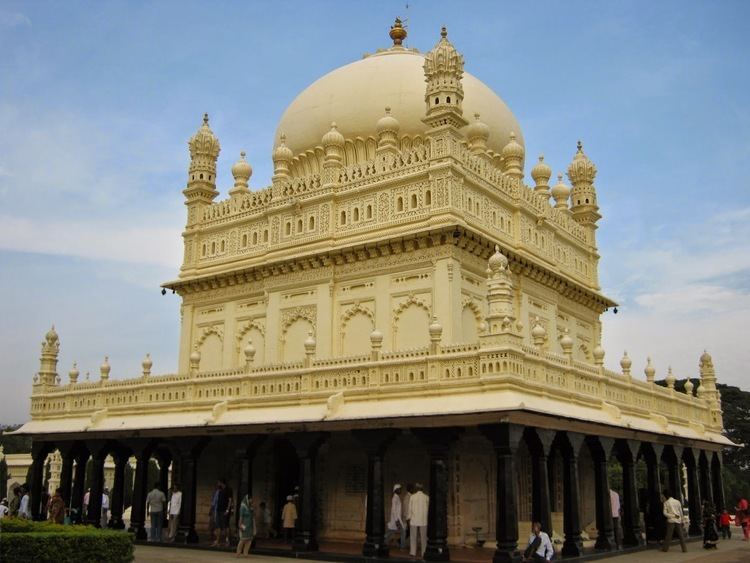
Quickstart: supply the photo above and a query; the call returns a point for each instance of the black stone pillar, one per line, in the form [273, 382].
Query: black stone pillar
[305, 535]
[631, 521]
[189, 450]
[94, 511]
[505, 438]
[375, 444]
[655, 521]
[695, 505]
[66, 475]
[140, 488]
[79, 482]
[717, 482]
[704, 478]
[39, 451]
[673, 459]
[243, 460]
[571, 448]
[540, 442]
[600, 450]
[118, 490]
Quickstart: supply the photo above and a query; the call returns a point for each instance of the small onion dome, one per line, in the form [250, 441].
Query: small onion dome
[51, 336]
[497, 261]
[249, 351]
[282, 152]
[581, 169]
[74, 373]
[538, 330]
[105, 368]
[566, 342]
[387, 123]
[649, 370]
[147, 363]
[560, 193]
[376, 337]
[700, 391]
[333, 138]
[477, 129]
[706, 359]
[241, 170]
[626, 362]
[397, 33]
[310, 343]
[689, 387]
[204, 142]
[436, 329]
[195, 357]
[541, 173]
[598, 354]
[670, 379]
[513, 149]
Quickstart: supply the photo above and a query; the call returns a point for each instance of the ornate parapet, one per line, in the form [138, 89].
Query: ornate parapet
[530, 376]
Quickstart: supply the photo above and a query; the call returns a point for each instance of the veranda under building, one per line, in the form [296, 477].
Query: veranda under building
[397, 306]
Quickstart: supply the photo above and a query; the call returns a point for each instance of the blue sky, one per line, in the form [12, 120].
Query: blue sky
[98, 99]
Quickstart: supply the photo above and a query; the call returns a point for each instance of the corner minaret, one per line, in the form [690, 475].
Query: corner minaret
[501, 310]
[444, 95]
[48, 361]
[581, 174]
[201, 186]
[708, 387]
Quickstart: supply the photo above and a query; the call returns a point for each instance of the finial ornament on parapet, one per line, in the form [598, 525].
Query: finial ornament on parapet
[501, 313]
[436, 333]
[73, 374]
[282, 160]
[249, 352]
[376, 344]
[541, 173]
[333, 145]
[477, 133]
[513, 155]
[398, 33]
[538, 333]
[387, 129]
[560, 193]
[625, 364]
[310, 345]
[650, 371]
[670, 379]
[195, 361]
[146, 365]
[104, 369]
[241, 172]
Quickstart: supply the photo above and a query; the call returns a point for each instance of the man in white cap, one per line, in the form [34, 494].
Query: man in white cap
[396, 523]
[288, 518]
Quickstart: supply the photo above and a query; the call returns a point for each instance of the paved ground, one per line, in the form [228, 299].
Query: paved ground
[729, 551]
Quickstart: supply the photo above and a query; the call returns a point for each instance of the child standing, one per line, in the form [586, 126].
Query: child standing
[725, 523]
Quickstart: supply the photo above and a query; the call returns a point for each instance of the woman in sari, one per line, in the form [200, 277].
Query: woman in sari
[710, 533]
[247, 526]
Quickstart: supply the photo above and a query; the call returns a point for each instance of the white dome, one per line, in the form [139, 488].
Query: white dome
[355, 95]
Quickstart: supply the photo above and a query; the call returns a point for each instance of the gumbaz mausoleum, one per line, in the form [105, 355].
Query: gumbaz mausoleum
[399, 305]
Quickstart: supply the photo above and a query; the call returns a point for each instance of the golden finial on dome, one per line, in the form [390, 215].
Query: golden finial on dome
[205, 118]
[443, 32]
[398, 33]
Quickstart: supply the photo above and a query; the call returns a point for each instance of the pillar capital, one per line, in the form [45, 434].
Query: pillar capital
[503, 435]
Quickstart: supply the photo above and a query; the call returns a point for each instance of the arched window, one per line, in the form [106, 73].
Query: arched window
[428, 197]
[311, 224]
[255, 238]
[368, 213]
[204, 250]
[437, 101]
[299, 225]
[222, 245]
[288, 228]
[356, 213]
[413, 201]
[448, 100]
[265, 235]
[343, 218]
[400, 204]
[213, 248]
[244, 240]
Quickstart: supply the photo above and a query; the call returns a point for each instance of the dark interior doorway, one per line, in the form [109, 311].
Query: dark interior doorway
[287, 476]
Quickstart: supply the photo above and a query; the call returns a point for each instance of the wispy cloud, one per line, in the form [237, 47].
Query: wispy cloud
[14, 19]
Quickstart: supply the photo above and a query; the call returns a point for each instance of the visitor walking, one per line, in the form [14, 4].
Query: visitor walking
[175, 506]
[396, 523]
[212, 524]
[15, 502]
[405, 502]
[288, 518]
[614, 500]
[85, 507]
[418, 508]
[247, 526]
[710, 534]
[742, 518]
[4, 510]
[105, 507]
[24, 510]
[725, 522]
[672, 511]
[224, 509]
[155, 502]
[539, 548]
[57, 507]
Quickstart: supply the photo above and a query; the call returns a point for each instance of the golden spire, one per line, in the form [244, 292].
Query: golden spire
[397, 33]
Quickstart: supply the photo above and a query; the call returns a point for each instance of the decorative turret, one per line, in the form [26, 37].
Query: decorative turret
[73, 374]
[538, 333]
[241, 171]
[560, 193]
[625, 364]
[48, 361]
[249, 352]
[581, 174]
[195, 361]
[282, 159]
[444, 95]
[104, 369]
[513, 156]
[310, 345]
[436, 334]
[146, 365]
[201, 186]
[387, 128]
[376, 344]
[500, 298]
[566, 343]
[598, 354]
[708, 387]
[670, 379]
[541, 174]
[689, 387]
[333, 144]
[477, 134]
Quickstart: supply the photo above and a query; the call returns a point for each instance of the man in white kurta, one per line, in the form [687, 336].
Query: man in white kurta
[418, 507]
[396, 523]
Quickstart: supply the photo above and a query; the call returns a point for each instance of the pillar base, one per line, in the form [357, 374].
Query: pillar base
[185, 535]
[139, 530]
[572, 547]
[507, 556]
[605, 544]
[304, 543]
[695, 528]
[372, 549]
[116, 523]
[437, 553]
